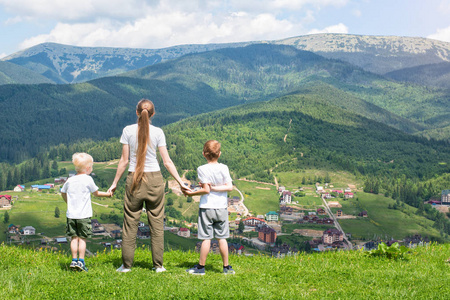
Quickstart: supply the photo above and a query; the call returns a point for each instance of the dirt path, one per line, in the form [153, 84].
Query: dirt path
[290, 122]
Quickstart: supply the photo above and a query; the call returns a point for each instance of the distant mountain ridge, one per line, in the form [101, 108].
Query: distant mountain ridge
[378, 54]
[72, 64]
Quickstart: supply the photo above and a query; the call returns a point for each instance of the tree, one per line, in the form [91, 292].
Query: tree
[241, 226]
[57, 212]
[6, 217]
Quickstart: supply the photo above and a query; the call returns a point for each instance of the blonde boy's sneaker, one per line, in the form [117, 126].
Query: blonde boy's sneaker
[82, 266]
[73, 264]
[122, 269]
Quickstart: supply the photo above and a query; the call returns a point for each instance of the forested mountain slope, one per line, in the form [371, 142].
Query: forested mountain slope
[12, 74]
[43, 115]
[259, 72]
[304, 130]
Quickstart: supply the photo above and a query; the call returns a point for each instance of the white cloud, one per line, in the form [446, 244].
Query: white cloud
[339, 28]
[3, 55]
[442, 34]
[163, 23]
[167, 29]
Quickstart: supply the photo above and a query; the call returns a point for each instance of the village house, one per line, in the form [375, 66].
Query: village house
[28, 230]
[40, 187]
[184, 232]
[445, 197]
[348, 195]
[339, 213]
[416, 240]
[347, 190]
[272, 216]
[286, 197]
[337, 191]
[281, 189]
[326, 195]
[363, 214]
[60, 180]
[5, 201]
[19, 188]
[267, 235]
[61, 240]
[233, 201]
[13, 229]
[286, 210]
[321, 211]
[235, 248]
[143, 232]
[214, 248]
[319, 189]
[97, 228]
[283, 250]
[254, 222]
[332, 235]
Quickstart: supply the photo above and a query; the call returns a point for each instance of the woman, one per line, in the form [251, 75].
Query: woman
[144, 183]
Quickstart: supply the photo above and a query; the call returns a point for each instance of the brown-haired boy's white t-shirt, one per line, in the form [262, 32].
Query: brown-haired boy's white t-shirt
[215, 174]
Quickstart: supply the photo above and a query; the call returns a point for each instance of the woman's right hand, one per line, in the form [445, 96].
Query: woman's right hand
[112, 189]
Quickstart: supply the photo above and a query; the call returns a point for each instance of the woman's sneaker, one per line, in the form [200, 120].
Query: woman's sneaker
[196, 271]
[228, 270]
[122, 269]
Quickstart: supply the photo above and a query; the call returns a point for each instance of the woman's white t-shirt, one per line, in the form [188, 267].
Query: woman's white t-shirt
[157, 139]
[78, 189]
[215, 174]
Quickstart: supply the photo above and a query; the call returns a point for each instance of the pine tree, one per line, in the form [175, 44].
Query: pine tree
[57, 212]
[6, 217]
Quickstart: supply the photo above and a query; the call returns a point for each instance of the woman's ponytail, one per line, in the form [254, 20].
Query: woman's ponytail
[145, 110]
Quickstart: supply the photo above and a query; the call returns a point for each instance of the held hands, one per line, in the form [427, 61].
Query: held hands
[111, 190]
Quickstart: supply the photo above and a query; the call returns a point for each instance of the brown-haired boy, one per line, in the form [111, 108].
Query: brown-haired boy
[215, 181]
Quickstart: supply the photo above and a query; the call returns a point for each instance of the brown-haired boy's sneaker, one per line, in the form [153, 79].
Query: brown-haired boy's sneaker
[195, 270]
[228, 270]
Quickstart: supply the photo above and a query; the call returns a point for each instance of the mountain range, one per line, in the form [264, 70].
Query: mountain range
[377, 54]
[47, 114]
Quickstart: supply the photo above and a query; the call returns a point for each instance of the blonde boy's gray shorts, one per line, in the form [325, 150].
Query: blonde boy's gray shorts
[213, 222]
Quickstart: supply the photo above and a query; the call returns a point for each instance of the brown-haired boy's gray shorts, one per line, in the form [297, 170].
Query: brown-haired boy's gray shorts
[213, 222]
[79, 227]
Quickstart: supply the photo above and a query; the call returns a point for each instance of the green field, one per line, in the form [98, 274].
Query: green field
[339, 179]
[259, 198]
[383, 222]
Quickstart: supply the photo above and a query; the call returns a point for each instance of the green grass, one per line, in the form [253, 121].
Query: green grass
[384, 222]
[259, 201]
[28, 274]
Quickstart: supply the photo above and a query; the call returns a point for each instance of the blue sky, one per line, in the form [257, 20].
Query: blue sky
[163, 23]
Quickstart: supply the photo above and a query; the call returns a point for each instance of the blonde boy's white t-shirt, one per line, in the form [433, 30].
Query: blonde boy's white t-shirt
[215, 174]
[78, 189]
[157, 139]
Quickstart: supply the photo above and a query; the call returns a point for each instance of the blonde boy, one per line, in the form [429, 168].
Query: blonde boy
[216, 181]
[76, 192]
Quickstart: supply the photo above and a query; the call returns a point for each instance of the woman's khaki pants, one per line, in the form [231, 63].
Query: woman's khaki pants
[150, 192]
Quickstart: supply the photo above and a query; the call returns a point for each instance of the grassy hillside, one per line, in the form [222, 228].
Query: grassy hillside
[37, 274]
